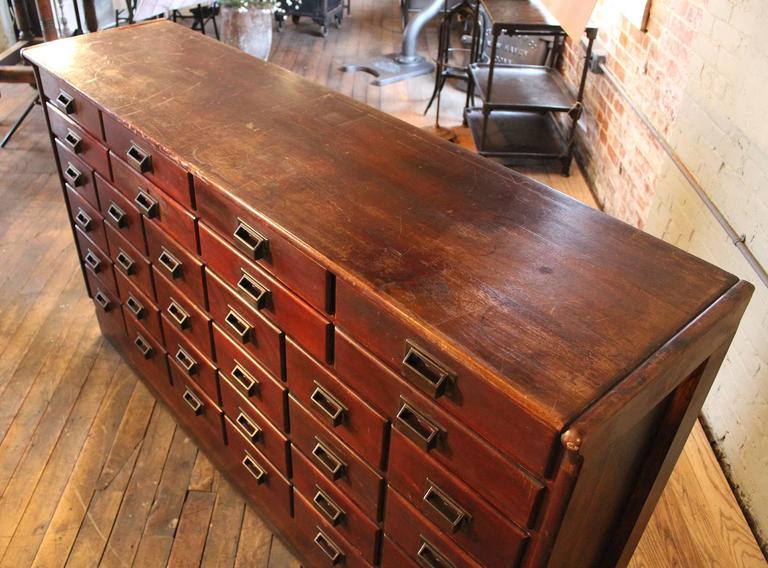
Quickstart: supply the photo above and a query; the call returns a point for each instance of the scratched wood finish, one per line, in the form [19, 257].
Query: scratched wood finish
[697, 521]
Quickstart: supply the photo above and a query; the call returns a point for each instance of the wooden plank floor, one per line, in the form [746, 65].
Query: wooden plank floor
[93, 472]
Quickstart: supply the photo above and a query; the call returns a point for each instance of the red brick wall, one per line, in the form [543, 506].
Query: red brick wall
[621, 158]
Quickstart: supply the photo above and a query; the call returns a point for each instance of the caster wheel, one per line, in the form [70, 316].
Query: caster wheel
[337, 22]
[280, 26]
[324, 30]
[295, 19]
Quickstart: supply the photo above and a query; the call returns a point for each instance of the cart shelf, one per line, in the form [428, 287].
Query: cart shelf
[523, 87]
[517, 134]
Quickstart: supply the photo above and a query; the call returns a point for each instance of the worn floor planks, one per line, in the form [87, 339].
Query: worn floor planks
[93, 472]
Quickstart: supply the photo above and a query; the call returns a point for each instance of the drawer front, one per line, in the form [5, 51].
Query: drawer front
[190, 360]
[259, 480]
[148, 161]
[339, 408]
[523, 438]
[265, 246]
[175, 263]
[154, 204]
[335, 507]
[190, 401]
[130, 262]
[255, 428]
[257, 385]
[183, 314]
[121, 215]
[108, 310]
[265, 294]
[138, 304]
[77, 174]
[87, 219]
[452, 506]
[98, 261]
[78, 141]
[253, 332]
[318, 542]
[393, 557]
[71, 103]
[147, 355]
[420, 541]
[345, 469]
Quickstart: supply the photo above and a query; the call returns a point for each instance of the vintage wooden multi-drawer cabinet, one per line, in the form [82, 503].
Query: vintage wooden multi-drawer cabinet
[401, 353]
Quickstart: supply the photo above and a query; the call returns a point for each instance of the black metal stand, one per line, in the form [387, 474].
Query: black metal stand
[16, 125]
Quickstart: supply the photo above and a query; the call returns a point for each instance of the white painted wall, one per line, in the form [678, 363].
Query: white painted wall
[721, 132]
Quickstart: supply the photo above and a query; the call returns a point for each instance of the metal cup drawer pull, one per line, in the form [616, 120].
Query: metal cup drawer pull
[125, 262]
[250, 241]
[102, 301]
[425, 373]
[117, 215]
[193, 401]
[170, 263]
[329, 548]
[136, 307]
[74, 176]
[248, 427]
[253, 467]
[417, 427]
[333, 466]
[255, 293]
[139, 159]
[328, 405]
[143, 346]
[186, 361]
[83, 220]
[74, 142]
[239, 325]
[178, 314]
[445, 511]
[65, 102]
[93, 261]
[429, 557]
[328, 507]
[146, 203]
[249, 383]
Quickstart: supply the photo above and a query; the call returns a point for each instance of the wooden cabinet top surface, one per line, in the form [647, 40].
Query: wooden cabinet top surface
[555, 302]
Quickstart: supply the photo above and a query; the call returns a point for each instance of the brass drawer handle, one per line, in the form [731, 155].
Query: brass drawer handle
[74, 142]
[83, 220]
[446, 512]
[186, 361]
[93, 261]
[417, 427]
[102, 300]
[136, 307]
[117, 215]
[249, 428]
[253, 467]
[329, 548]
[425, 373]
[193, 401]
[65, 102]
[146, 203]
[331, 463]
[178, 314]
[239, 325]
[170, 263]
[143, 346]
[250, 241]
[429, 557]
[329, 405]
[255, 293]
[327, 506]
[139, 159]
[74, 176]
[245, 379]
[125, 262]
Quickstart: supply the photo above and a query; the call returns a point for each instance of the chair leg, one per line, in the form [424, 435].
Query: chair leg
[199, 18]
[213, 18]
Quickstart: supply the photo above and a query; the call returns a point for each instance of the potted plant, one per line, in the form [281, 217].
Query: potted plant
[247, 24]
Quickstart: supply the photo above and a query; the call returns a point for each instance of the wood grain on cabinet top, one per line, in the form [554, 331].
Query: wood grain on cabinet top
[552, 301]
